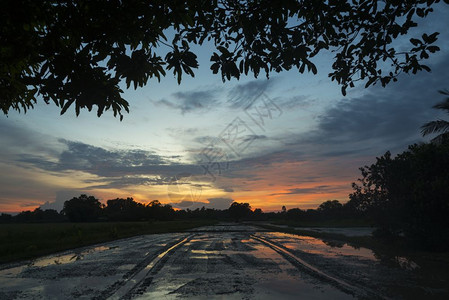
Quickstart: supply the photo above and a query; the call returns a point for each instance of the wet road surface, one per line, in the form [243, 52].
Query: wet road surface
[226, 261]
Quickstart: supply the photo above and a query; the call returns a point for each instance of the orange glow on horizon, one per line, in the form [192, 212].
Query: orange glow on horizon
[294, 184]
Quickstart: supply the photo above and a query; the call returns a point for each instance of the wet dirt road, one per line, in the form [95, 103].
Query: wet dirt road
[226, 261]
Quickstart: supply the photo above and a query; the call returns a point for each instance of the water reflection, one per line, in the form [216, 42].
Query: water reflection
[12, 272]
[65, 259]
[53, 260]
[333, 248]
[327, 248]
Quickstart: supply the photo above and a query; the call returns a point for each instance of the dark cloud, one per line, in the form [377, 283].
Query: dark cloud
[321, 189]
[254, 137]
[346, 152]
[267, 159]
[298, 101]
[205, 140]
[125, 181]
[107, 163]
[220, 203]
[353, 131]
[383, 119]
[114, 168]
[16, 138]
[191, 101]
[243, 95]
[215, 203]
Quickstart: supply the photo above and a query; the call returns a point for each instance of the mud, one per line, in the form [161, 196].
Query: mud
[227, 261]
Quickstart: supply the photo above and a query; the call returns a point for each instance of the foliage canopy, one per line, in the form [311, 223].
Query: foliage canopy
[82, 209]
[78, 52]
[238, 211]
[408, 194]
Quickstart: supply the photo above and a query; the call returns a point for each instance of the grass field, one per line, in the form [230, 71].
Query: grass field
[24, 241]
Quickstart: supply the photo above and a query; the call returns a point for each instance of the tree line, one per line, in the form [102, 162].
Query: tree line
[86, 208]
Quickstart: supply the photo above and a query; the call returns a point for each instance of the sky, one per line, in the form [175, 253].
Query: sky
[291, 140]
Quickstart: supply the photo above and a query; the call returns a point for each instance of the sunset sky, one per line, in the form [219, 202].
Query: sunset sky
[292, 140]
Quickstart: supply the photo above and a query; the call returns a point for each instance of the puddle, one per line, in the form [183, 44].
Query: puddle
[348, 231]
[288, 283]
[205, 251]
[199, 257]
[334, 249]
[68, 258]
[206, 254]
[53, 260]
[12, 272]
[317, 246]
[59, 260]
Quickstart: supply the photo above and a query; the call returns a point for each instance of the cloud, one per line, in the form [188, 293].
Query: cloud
[61, 197]
[18, 138]
[212, 203]
[243, 95]
[126, 181]
[106, 163]
[220, 203]
[349, 133]
[297, 101]
[381, 119]
[191, 101]
[321, 189]
[205, 140]
[97, 167]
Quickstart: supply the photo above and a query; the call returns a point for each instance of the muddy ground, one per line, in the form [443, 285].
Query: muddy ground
[225, 261]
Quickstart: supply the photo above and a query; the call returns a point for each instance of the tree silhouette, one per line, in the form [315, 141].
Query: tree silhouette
[5, 218]
[331, 209]
[82, 209]
[408, 194]
[238, 211]
[156, 210]
[330, 205]
[438, 126]
[124, 210]
[258, 214]
[78, 52]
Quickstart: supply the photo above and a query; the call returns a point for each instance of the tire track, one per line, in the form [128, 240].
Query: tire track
[134, 278]
[361, 293]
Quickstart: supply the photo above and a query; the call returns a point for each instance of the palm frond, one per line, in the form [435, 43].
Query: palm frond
[444, 92]
[443, 105]
[435, 127]
[441, 138]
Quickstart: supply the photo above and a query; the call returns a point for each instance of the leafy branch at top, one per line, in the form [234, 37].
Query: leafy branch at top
[78, 52]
